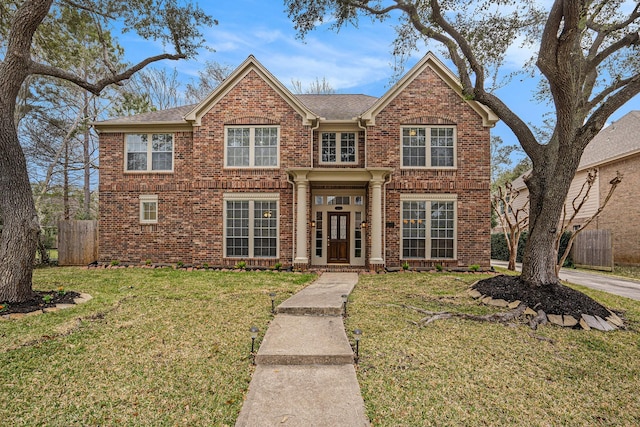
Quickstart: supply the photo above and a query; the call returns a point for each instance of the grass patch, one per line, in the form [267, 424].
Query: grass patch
[153, 347]
[460, 372]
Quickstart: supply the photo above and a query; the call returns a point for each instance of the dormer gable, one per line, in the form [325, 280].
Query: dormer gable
[251, 64]
[489, 118]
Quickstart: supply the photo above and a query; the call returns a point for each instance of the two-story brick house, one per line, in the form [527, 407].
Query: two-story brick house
[255, 173]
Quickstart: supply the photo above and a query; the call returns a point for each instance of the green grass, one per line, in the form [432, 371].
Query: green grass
[459, 372]
[153, 347]
[164, 347]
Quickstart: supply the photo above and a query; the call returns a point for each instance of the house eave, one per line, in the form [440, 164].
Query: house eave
[143, 127]
[489, 118]
[250, 64]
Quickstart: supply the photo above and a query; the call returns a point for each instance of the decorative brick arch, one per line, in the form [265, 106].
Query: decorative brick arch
[251, 120]
[429, 120]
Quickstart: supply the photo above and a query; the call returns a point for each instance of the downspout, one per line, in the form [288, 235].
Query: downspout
[314, 128]
[387, 180]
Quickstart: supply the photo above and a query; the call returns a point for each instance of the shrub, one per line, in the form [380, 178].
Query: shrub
[500, 250]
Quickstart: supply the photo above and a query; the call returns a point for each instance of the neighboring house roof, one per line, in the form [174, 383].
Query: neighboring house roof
[620, 139]
[337, 106]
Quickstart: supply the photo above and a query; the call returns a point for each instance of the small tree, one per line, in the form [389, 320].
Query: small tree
[316, 87]
[513, 219]
[577, 203]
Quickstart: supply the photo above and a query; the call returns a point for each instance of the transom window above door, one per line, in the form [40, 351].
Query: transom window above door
[252, 146]
[338, 147]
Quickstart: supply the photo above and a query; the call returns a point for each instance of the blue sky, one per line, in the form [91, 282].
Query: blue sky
[354, 60]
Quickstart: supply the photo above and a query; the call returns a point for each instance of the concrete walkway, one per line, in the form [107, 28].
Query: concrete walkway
[614, 285]
[305, 374]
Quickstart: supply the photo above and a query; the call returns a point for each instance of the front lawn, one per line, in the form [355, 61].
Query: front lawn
[464, 373]
[164, 347]
[153, 347]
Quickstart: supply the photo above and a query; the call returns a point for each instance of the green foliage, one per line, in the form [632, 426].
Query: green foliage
[474, 267]
[405, 265]
[277, 266]
[115, 262]
[500, 250]
[439, 267]
[179, 264]
[241, 265]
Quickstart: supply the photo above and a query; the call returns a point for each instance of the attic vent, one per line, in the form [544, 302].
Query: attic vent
[251, 120]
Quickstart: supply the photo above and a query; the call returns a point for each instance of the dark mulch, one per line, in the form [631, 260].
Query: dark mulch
[38, 302]
[552, 299]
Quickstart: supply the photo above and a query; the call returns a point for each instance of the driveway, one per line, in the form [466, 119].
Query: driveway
[614, 285]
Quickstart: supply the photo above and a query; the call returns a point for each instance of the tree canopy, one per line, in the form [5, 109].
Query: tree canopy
[585, 56]
[40, 38]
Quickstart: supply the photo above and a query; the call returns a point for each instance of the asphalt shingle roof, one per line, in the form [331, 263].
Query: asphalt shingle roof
[330, 107]
[616, 140]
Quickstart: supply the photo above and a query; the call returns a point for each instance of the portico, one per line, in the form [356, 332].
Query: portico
[339, 216]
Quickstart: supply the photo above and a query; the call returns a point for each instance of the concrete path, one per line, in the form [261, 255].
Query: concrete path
[305, 374]
[614, 285]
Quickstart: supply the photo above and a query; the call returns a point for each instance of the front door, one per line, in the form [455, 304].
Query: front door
[338, 242]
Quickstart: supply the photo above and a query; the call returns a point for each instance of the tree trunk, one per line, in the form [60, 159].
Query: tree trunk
[548, 188]
[19, 236]
[20, 223]
[86, 160]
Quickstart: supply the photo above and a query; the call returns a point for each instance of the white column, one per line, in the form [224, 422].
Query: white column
[301, 221]
[376, 222]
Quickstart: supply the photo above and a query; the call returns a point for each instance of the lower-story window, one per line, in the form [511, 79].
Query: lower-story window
[251, 227]
[428, 226]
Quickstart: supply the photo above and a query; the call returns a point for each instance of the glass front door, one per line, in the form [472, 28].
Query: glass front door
[338, 237]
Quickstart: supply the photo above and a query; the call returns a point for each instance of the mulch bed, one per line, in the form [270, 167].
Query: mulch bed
[552, 299]
[38, 302]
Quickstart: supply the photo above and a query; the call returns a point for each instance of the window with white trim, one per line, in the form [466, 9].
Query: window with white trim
[149, 152]
[252, 146]
[338, 147]
[428, 228]
[428, 147]
[148, 209]
[251, 227]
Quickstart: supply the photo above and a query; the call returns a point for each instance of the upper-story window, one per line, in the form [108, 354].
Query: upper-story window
[338, 147]
[252, 146]
[149, 152]
[429, 147]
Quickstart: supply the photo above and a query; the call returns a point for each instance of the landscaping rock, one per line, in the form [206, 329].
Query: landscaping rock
[498, 303]
[529, 312]
[487, 300]
[34, 313]
[593, 322]
[50, 309]
[63, 306]
[605, 325]
[615, 320]
[474, 294]
[584, 325]
[15, 316]
[514, 304]
[556, 319]
[570, 321]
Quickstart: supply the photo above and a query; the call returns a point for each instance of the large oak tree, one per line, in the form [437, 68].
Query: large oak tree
[27, 51]
[587, 62]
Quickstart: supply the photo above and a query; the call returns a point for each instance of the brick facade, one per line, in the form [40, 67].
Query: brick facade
[190, 224]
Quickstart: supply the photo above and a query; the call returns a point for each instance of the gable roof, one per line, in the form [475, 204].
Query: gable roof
[619, 139]
[250, 64]
[489, 118]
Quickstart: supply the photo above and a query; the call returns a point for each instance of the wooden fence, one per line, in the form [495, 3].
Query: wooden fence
[77, 242]
[593, 249]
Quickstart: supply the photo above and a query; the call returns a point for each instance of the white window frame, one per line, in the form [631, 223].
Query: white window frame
[252, 146]
[251, 198]
[144, 199]
[427, 148]
[149, 152]
[338, 148]
[428, 198]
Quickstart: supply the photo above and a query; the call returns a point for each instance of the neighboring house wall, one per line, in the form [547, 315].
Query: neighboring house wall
[622, 213]
[615, 149]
